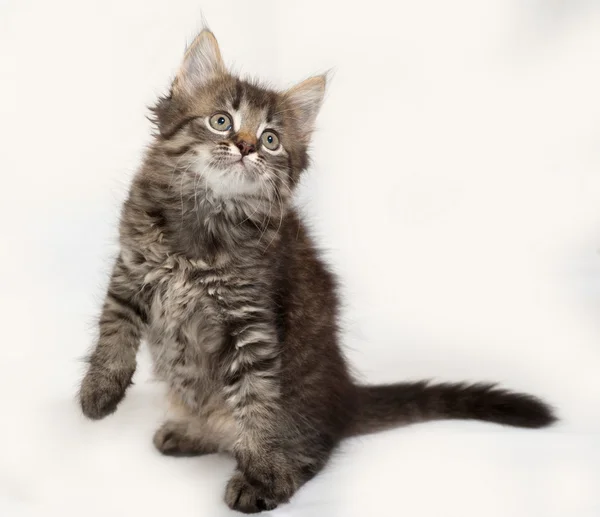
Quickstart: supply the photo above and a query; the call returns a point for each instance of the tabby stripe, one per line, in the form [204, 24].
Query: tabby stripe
[238, 96]
[128, 304]
[170, 131]
[177, 152]
[260, 367]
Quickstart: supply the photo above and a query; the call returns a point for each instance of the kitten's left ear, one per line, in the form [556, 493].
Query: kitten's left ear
[201, 63]
[305, 101]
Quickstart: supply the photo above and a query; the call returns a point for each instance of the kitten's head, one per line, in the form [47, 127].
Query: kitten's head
[238, 138]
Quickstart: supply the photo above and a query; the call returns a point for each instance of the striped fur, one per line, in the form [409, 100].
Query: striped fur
[217, 272]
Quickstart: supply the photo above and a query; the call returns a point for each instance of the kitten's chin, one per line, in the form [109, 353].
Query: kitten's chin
[232, 181]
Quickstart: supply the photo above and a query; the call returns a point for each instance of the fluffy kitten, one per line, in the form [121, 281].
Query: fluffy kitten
[218, 274]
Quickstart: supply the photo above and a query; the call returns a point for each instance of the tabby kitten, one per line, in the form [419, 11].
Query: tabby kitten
[217, 272]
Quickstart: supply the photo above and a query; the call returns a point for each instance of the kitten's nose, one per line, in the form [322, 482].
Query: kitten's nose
[245, 147]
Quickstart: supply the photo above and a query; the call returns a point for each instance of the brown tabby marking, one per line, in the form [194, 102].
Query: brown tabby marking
[217, 272]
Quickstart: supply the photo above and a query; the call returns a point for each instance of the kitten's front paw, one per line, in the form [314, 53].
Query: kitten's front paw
[101, 391]
[240, 495]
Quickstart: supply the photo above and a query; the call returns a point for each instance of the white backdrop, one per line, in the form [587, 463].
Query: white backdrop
[455, 189]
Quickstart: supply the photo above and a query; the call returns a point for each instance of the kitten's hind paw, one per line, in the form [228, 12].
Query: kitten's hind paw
[101, 391]
[174, 438]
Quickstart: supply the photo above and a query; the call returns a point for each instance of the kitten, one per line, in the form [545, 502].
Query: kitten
[217, 272]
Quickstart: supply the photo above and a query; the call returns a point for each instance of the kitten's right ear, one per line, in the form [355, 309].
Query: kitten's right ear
[201, 63]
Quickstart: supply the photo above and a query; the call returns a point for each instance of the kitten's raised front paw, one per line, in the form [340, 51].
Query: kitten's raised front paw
[173, 439]
[240, 495]
[101, 391]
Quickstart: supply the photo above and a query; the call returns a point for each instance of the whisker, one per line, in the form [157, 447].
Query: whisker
[280, 213]
[262, 187]
[265, 227]
[177, 165]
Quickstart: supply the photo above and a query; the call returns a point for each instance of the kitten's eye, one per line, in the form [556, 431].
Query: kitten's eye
[220, 122]
[270, 140]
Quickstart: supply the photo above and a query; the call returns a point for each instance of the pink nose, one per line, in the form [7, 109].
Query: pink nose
[245, 147]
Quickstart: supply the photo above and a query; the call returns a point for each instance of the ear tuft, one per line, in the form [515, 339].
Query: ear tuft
[305, 101]
[201, 63]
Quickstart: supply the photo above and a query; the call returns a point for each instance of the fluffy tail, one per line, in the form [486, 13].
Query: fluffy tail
[386, 406]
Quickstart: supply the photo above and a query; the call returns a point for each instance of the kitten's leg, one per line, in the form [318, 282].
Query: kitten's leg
[113, 361]
[269, 467]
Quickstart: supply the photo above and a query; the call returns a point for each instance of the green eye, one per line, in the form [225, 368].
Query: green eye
[220, 122]
[270, 140]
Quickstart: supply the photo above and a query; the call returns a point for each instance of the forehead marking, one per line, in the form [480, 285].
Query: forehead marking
[261, 128]
[238, 96]
[237, 120]
[249, 117]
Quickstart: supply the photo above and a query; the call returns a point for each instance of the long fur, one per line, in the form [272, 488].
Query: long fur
[217, 272]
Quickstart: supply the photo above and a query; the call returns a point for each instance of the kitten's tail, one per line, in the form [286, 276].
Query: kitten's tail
[386, 406]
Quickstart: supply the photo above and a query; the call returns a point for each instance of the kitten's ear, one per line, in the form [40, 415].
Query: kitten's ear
[201, 63]
[305, 100]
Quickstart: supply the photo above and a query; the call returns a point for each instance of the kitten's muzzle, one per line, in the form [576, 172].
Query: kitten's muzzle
[245, 147]
[246, 143]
